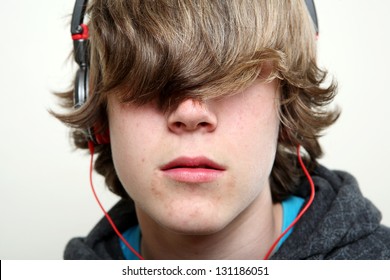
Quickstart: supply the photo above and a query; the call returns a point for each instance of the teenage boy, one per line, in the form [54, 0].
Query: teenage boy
[197, 112]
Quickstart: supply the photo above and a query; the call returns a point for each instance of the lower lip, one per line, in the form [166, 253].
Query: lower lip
[193, 175]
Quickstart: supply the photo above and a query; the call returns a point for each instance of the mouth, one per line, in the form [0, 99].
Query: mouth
[193, 170]
[196, 162]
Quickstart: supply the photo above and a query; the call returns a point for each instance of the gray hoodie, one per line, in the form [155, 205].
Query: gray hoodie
[340, 224]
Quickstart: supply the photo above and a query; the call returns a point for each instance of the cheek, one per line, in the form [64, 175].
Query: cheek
[133, 145]
[254, 140]
[127, 160]
[265, 140]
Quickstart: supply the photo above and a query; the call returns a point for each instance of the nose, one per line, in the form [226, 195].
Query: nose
[192, 115]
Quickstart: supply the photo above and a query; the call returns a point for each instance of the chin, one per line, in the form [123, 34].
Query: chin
[190, 216]
[188, 225]
[195, 231]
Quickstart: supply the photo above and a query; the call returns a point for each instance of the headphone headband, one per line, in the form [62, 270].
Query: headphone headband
[78, 16]
[313, 14]
[81, 5]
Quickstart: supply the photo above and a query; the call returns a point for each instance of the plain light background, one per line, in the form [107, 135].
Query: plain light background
[45, 198]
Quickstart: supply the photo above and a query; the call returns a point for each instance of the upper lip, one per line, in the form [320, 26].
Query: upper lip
[192, 162]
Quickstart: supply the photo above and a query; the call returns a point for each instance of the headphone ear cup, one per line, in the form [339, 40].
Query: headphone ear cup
[81, 88]
[80, 97]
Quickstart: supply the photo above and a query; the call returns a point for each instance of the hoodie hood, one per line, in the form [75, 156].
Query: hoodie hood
[340, 224]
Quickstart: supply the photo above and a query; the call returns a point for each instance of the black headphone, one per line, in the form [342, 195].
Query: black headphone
[79, 32]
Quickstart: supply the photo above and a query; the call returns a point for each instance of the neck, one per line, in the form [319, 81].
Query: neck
[248, 236]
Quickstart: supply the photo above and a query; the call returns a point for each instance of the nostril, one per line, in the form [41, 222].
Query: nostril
[178, 125]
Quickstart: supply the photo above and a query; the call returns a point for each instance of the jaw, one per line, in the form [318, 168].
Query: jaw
[194, 233]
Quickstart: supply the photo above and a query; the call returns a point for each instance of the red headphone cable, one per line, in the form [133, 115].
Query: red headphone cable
[303, 211]
[91, 147]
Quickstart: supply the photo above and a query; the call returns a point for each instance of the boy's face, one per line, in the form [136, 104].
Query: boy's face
[201, 167]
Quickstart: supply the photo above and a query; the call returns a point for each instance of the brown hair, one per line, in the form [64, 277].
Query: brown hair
[171, 50]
